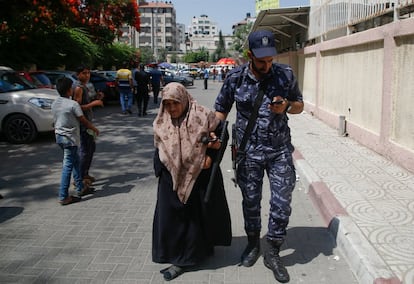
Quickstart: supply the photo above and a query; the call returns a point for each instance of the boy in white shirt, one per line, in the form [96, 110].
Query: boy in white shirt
[67, 114]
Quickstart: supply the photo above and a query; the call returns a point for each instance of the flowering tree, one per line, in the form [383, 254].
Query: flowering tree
[24, 23]
[28, 16]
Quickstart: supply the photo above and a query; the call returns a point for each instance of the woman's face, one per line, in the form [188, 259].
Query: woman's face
[174, 108]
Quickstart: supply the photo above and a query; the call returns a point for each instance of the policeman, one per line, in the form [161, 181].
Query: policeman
[268, 146]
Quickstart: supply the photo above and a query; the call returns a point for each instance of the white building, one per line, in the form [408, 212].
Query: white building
[203, 32]
[202, 26]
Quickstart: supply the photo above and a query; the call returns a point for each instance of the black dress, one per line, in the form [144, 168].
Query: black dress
[185, 234]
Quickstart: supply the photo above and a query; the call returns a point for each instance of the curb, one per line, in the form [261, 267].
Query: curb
[364, 260]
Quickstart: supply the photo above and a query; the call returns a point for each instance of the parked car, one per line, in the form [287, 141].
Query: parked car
[111, 74]
[55, 75]
[38, 78]
[192, 72]
[170, 77]
[106, 85]
[5, 69]
[24, 109]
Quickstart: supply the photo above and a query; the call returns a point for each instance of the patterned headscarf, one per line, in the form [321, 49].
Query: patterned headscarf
[179, 140]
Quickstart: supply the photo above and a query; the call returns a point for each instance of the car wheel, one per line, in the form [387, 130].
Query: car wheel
[19, 129]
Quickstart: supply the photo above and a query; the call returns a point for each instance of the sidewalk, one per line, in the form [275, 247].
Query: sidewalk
[367, 201]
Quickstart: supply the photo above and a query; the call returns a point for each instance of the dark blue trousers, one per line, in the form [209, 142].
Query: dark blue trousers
[282, 178]
[86, 151]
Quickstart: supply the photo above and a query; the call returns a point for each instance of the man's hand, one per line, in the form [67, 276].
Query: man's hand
[278, 105]
[97, 103]
[100, 95]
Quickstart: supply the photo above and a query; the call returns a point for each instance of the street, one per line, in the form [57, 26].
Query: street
[106, 238]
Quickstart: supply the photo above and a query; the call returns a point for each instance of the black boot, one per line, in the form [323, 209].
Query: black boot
[272, 261]
[252, 252]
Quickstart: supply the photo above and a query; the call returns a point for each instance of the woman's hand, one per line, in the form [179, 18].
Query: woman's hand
[215, 142]
[207, 162]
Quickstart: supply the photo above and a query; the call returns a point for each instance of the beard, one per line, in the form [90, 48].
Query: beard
[261, 72]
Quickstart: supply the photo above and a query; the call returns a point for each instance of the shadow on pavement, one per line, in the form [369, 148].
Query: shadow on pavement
[307, 243]
[7, 213]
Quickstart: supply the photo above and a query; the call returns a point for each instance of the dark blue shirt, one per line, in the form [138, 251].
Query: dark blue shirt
[156, 76]
[271, 131]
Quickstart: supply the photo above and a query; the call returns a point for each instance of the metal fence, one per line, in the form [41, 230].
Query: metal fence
[330, 15]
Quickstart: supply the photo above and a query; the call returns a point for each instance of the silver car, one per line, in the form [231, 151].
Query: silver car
[24, 110]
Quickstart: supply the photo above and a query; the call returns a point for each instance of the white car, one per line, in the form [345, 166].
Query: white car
[24, 110]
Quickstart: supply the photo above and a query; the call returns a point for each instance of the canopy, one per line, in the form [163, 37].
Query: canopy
[165, 65]
[226, 61]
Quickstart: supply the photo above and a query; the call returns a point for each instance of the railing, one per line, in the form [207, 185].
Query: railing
[329, 15]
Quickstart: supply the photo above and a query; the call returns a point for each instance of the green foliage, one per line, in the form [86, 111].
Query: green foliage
[114, 55]
[220, 52]
[174, 58]
[75, 46]
[146, 55]
[63, 33]
[49, 49]
[162, 55]
[196, 56]
[240, 37]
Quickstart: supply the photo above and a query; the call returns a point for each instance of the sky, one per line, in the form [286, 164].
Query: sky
[225, 13]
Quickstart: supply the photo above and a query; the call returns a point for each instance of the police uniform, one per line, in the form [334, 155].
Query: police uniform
[269, 146]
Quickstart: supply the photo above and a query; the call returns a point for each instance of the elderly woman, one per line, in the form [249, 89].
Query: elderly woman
[185, 228]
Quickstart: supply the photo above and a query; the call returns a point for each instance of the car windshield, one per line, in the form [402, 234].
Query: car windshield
[12, 81]
[42, 78]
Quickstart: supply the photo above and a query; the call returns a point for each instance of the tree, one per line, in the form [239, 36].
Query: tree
[32, 29]
[146, 55]
[240, 37]
[220, 50]
[162, 55]
[174, 58]
[196, 56]
[114, 55]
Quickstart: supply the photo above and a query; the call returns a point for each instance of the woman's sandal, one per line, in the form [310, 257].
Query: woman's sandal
[172, 272]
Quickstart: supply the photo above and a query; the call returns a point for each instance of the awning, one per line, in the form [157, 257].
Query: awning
[289, 25]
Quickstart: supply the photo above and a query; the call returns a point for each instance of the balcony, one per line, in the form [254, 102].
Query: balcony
[354, 15]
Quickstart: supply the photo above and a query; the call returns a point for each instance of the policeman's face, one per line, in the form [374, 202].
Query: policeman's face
[260, 66]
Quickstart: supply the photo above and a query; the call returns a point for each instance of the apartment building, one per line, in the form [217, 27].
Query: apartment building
[160, 31]
[203, 32]
[158, 27]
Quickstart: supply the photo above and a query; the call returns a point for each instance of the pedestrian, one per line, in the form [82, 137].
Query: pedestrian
[185, 227]
[214, 74]
[143, 82]
[205, 76]
[88, 145]
[125, 86]
[156, 81]
[220, 74]
[134, 70]
[223, 73]
[226, 71]
[67, 114]
[268, 146]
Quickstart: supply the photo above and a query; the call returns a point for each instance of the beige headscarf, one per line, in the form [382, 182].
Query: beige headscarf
[179, 140]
